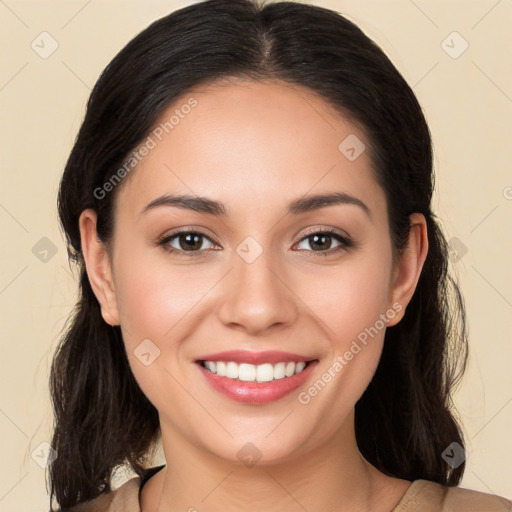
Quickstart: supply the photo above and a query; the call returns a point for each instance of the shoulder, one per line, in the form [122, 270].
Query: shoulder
[123, 499]
[427, 496]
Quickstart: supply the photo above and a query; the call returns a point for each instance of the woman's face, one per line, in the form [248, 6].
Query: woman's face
[255, 274]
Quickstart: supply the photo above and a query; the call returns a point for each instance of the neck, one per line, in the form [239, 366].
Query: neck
[333, 477]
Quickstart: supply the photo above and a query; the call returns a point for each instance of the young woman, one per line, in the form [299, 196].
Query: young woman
[263, 283]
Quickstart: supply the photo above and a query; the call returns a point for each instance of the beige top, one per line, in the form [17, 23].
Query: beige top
[421, 496]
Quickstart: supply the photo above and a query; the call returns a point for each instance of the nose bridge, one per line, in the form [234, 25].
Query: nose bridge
[255, 296]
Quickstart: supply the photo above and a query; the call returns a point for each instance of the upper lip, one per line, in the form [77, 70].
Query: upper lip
[246, 356]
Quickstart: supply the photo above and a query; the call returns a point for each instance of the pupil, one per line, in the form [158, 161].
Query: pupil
[324, 244]
[194, 238]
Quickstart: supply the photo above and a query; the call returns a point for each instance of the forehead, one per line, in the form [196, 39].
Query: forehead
[247, 142]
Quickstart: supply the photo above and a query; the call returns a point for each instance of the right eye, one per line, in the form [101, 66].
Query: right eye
[189, 242]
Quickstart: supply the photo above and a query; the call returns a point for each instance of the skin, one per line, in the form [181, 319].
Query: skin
[255, 147]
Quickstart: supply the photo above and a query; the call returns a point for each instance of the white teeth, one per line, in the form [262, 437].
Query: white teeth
[232, 370]
[254, 373]
[246, 372]
[211, 366]
[221, 368]
[264, 372]
[279, 370]
[290, 369]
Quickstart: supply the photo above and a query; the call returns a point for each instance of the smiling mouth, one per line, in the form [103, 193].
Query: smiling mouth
[246, 372]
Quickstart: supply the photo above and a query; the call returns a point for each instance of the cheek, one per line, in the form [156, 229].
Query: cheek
[349, 298]
[153, 300]
[354, 307]
[154, 290]
[159, 303]
[352, 311]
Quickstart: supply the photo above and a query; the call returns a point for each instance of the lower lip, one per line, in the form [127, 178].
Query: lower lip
[256, 392]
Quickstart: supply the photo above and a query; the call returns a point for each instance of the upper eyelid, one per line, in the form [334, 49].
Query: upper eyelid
[180, 231]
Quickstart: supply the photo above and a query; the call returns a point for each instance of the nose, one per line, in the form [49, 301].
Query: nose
[257, 296]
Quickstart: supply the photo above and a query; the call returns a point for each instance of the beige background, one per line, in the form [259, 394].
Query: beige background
[467, 101]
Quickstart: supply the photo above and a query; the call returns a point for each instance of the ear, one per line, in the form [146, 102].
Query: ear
[407, 271]
[98, 267]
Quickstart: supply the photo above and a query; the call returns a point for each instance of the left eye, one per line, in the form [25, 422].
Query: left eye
[324, 238]
[192, 242]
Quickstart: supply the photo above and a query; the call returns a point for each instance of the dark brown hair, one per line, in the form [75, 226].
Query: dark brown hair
[404, 420]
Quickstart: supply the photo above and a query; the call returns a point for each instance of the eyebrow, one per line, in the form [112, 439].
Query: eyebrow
[298, 206]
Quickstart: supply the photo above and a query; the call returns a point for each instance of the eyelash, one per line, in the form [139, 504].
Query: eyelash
[345, 242]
